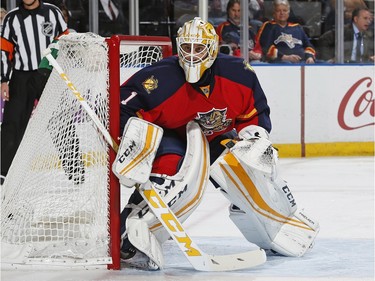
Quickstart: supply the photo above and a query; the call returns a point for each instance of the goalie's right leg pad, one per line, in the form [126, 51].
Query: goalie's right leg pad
[143, 249]
[182, 192]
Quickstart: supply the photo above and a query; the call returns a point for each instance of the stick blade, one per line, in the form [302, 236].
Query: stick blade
[230, 262]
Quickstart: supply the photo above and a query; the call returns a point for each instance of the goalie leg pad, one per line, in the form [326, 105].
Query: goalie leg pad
[288, 241]
[144, 240]
[268, 214]
[182, 192]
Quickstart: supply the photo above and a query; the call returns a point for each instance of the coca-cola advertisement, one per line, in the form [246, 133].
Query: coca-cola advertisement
[358, 105]
[320, 106]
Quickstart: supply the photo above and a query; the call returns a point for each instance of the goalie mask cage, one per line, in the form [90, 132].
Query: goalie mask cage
[60, 200]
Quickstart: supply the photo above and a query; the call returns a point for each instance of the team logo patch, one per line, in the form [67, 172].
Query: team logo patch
[205, 90]
[47, 28]
[214, 120]
[150, 84]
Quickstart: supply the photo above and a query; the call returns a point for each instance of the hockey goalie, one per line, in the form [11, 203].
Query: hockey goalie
[194, 118]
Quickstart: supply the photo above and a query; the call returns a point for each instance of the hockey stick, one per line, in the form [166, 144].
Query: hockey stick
[82, 101]
[198, 259]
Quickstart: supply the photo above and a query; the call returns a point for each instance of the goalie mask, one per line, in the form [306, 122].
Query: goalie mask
[197, 47]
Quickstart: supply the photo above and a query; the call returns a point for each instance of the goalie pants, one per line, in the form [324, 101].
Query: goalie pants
[24, 89]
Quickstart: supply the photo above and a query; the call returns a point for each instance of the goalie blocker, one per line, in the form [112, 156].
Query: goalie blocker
[264, 209]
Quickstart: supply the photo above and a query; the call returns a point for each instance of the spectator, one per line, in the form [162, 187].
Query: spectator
[20, 56]
[358, 40]
[215, 9]
[282, 41]
[330, 12]
[229, 33]
[256, 14]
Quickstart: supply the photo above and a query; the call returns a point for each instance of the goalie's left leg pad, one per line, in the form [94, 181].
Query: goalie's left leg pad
[288, 241]
[268, 214]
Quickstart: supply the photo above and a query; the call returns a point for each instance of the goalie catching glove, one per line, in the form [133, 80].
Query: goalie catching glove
[264, 208]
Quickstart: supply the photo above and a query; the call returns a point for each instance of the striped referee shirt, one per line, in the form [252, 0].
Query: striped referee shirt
[26, 34]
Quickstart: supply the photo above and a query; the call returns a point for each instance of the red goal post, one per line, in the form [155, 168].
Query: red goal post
[117, 42]
[60, 200]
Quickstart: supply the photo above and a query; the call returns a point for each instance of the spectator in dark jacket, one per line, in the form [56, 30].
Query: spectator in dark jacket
[358, 40]
[229, 32]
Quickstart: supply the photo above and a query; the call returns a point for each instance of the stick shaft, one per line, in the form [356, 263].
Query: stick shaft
[83, 102]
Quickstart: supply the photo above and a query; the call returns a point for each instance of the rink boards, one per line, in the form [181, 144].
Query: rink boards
[319, 110]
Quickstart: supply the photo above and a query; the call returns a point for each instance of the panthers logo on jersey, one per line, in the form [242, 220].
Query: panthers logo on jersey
[288, 39]
[214, 120]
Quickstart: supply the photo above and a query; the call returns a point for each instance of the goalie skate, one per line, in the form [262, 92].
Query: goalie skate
[137, 259]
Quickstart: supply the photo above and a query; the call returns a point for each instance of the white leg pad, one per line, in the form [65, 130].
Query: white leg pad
[289, 240]
[250, 227]
[268, 214]
[144, 240]
[293, 241]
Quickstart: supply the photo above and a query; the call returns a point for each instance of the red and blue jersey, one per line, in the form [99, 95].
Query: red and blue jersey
[276, 41]
[228, 96]
[229, 32]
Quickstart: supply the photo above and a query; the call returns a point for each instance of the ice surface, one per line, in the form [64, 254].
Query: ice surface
[338, 192]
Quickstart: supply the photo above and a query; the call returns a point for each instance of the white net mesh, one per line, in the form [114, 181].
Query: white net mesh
[135, 57]
[55, 197]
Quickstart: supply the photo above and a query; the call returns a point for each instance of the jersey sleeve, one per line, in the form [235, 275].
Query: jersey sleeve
[133, 100]
[246, 94]
[309, 48]
[148, 89]
[263, 37]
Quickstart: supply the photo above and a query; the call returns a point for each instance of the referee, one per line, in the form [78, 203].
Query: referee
[27, 31]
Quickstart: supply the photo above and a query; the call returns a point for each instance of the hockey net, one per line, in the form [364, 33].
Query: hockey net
[60, 200]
